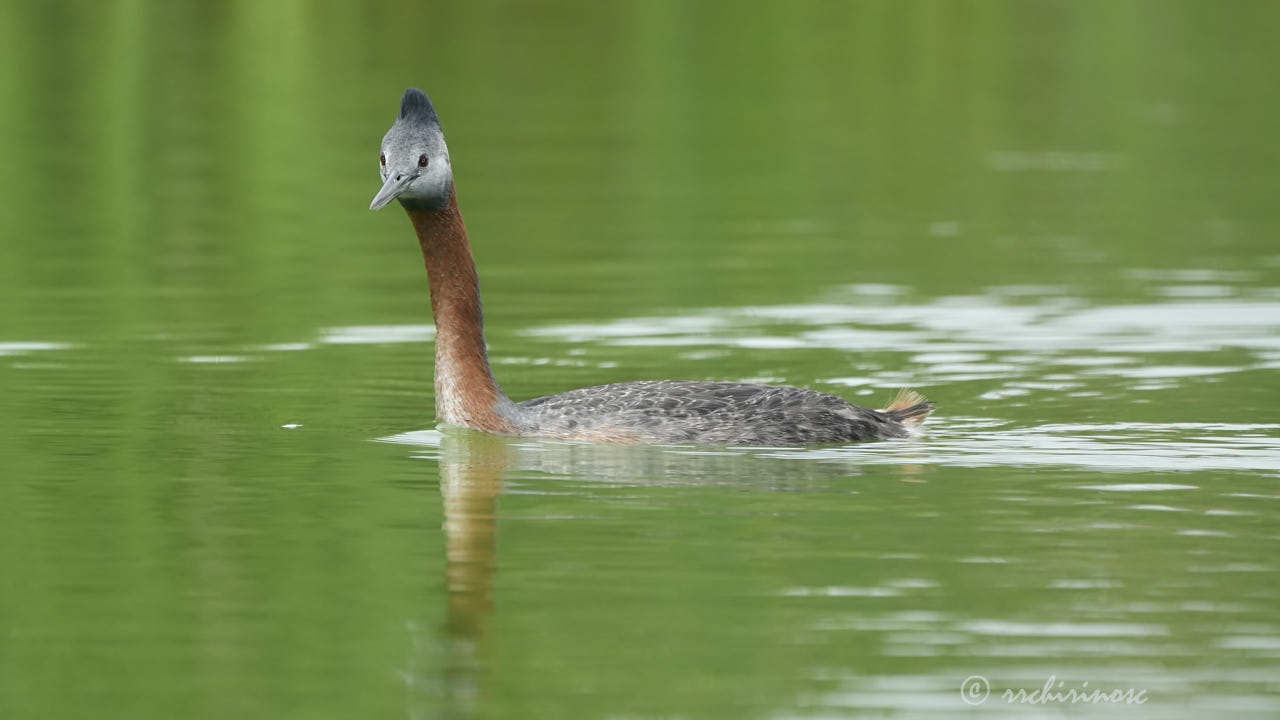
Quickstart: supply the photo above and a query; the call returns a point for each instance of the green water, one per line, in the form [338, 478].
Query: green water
[221, 495]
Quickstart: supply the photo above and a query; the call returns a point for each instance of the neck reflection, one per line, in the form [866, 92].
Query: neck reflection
[471, 470]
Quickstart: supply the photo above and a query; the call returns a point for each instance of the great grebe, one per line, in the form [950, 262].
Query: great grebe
[415, 169]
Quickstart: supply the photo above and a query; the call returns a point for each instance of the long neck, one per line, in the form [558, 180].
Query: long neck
[466, 393]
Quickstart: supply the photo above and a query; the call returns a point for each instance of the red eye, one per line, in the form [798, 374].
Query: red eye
[382, 158]
[422, 161]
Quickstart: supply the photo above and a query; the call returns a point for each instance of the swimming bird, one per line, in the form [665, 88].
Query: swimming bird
[416, 170]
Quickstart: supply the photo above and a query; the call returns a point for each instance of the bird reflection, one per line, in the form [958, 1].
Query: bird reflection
[471, 469]
[472, 466]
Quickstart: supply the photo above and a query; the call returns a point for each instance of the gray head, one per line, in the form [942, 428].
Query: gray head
[415, 161]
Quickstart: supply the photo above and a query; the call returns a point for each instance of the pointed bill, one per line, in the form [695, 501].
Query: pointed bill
[391, 189]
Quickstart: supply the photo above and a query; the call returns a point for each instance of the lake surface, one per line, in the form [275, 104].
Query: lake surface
[223, 494]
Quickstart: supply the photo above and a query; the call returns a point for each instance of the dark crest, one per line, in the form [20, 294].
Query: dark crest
[416, 107]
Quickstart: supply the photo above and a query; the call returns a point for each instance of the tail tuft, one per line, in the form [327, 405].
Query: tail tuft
[909, 408]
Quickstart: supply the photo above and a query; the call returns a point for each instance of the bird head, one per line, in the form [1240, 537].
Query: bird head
[414, 162]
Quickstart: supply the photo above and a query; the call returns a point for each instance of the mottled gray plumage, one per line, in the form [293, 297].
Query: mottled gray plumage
[713, 413]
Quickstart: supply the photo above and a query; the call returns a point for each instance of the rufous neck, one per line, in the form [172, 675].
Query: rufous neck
[466, 393]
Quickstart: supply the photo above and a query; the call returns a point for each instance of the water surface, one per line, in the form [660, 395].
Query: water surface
[223, 494]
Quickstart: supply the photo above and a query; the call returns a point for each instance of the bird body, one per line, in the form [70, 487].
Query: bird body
[416, 170]
[716, 413]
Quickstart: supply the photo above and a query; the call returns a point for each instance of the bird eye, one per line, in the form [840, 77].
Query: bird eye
[382, 158]
[422, 161]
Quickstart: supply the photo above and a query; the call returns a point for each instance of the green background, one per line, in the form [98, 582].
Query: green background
[1056, 219]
